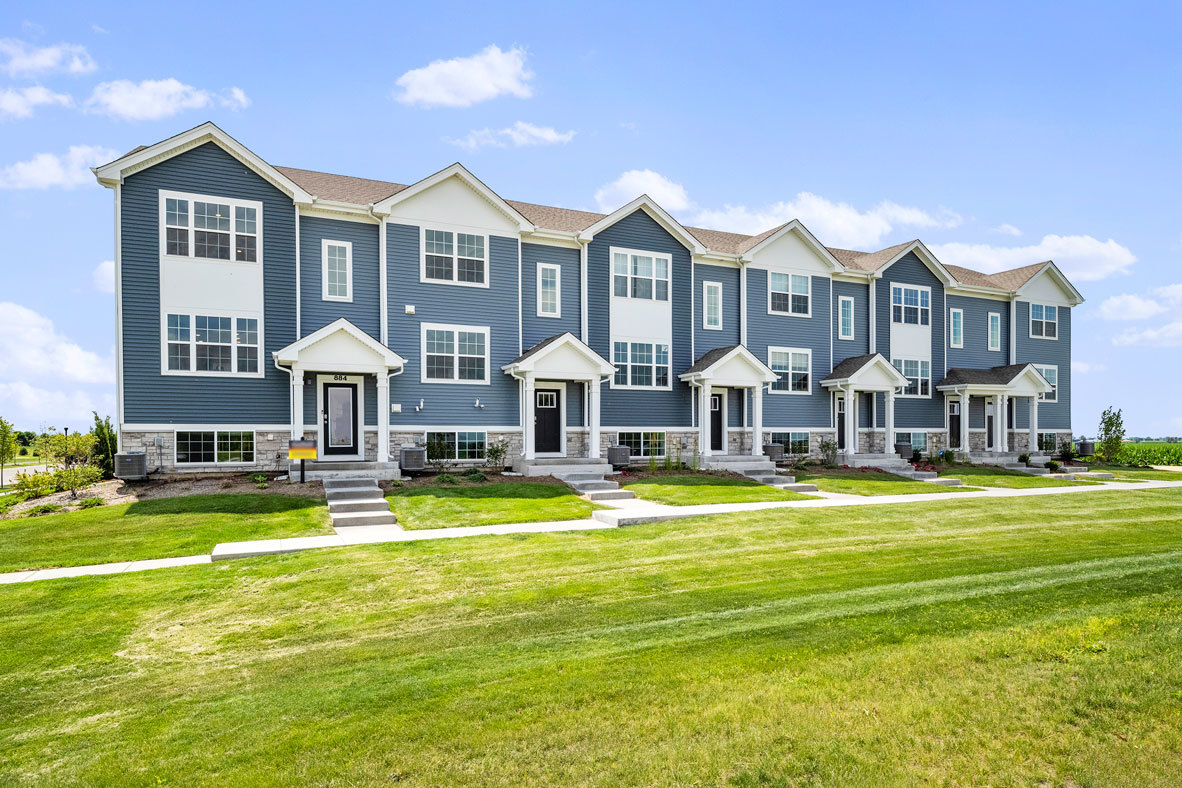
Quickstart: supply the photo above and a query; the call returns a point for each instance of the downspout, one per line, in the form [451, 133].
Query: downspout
[583, 290]
[520, 338]
[383, 310]
[119, 314]
[299, 294]
[870, 313]
[292, 414]
[1013, 330]
[742, 302]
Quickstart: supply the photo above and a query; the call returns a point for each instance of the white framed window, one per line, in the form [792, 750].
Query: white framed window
[211, 228]
[712, 306]
[455, 354]
[1048, 442]
[1051, 373]
[956, 328]
[789, 294]
[336, 270]
[640, 365]
[457, 445]
[911, 305]
[917, 440]
[793, 367]
[845, 317]
[214, 345]
[793, 442]
[454, 258]
[211, 447]
[549, 290]
[637, 274]
[1044, 321]
[919, 376]
[995, 331]
[643, 444]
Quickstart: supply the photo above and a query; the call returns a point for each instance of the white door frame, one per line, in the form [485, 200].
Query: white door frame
[359, 417]
[560, 387]
[724, 406]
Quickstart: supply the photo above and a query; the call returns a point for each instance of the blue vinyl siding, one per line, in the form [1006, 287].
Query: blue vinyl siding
[534, 328]
[927, 413]
[788, 410]
[494, 306]
[976, 353]
[152, 398]
[368, 396]
[860, 344]
[1051, 415]
[574, 400]
[365, 309]
[621, 407]
[707, 339]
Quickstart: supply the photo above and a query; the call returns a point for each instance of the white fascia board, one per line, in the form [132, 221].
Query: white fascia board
[657, 213]
[1076, 298]
[752, 360]
[926, 257]
[795, 226]
[458, 170]
[290, 353]
[342, 211]
[977, 291]
[602, 366]
[719, 259]
[552, 238]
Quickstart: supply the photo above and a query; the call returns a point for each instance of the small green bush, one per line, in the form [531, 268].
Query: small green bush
[1053, 465]
[45, 508]
[24, 452]
[652, 463]
[259, 478]
[446, 478]
[1024, 459]
[35, 484]
[475, 476]
[90, 503]
[261, 485]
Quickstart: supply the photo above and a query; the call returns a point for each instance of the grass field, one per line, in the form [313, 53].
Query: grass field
[696, 489]
[1122, 472]
[872, 483]
[155, 529]
[447, 506]
[985, 476]
[968, 641]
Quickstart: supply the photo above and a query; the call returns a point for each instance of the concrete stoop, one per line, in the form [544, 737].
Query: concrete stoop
[357, 501]
[583, 474]
[759, 469]
[323, 470]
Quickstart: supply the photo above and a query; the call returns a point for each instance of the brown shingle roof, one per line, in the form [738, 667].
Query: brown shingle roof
[868, 261]
[994, 376]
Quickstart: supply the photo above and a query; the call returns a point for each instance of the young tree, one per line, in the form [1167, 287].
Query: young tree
[8, 447]
[105, 444]
[1111, 435]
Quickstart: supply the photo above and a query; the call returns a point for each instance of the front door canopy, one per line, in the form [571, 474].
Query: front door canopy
[1015, 380]
[340, 347]
[734, 366]
[560, 357]
[871, 372]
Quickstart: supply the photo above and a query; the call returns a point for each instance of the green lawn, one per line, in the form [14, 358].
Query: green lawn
[448, 506]
[155, 529]
[1125, 472]
[872, 483]
[695, 489]
[968, 641]
[985, 476]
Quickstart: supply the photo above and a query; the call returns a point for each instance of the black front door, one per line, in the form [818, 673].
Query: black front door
[989, 408]
[841, 423]
[716, 422]
[954, 425]
[340, 418]
[547, 421]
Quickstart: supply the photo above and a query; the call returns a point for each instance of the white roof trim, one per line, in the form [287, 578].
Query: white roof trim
[765, 373]
[114, 172]
[597, 364]
[457, 170]
[1050, 268]
[926, 257]
[879, 361]
[1028, 371]
[656, 212]
[796, 226]
[291, 354]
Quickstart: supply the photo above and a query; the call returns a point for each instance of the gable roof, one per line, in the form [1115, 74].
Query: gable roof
[720, 355]
[290, 354]
[459, 171]
[994, 376]
[852, 367]
[656, 212]
[526, 361]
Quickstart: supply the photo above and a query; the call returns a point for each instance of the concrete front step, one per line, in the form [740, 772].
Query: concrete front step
[350, 483]
[363, 518]
[919, 476]
[360, 505]
[599, 486]
[1033, 470]
[559, 471]
[609, 495]
[321, 470]
[581, 476]
[351, 494]
[793, 487]
[945, 481]
[1095, 475]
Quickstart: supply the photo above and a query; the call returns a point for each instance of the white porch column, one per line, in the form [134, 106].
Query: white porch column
[964, 420]
[593, 418]
[383, 417]
[704, 418]
[851, 422]
[889, 423]
[1033, 448]
[527, 419]
[757, 421]
[297, 405]
[999, 423]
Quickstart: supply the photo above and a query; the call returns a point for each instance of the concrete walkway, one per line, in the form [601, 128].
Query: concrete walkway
[624, 512]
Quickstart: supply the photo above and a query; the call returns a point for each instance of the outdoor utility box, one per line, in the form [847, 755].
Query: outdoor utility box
[774, 451]
[904, 450]
[1087, 448]
[618, 456]
[131, 465]
[412, 458]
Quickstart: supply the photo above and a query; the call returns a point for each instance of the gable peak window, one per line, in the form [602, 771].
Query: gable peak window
[1044, 321]
[208, 228]
[640, 275]
[455, 258]
[789, 294]
[911, 305]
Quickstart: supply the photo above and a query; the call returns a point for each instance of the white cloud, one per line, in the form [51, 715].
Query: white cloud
[1081, 257]
[464, 81]
[1085, 367]
[1171, 293]
[103, 276]
[33, 349]
[633, 183]
[154, 99]
[102, 31]
[1129, 307]
[1007, 229]
[68, 170]
[1169, 335]
[23, 58]
[29, 406]
[20, 102]
[520, 134]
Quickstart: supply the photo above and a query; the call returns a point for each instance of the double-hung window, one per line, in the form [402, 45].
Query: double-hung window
[1051, 373]
[918, 374]
[208, 448]
[1044, 321]
[995, 331]
[211, 344]
[712, 305]
[793, 442]
[845, 317]
[643, 444]
[789, 294]
[455, 354]
[456, 258]
[337, 270]
[911, 305]
[643, 275]
[793, 369]
[640, 364]
[210, 228]
[956, 327]
[549, 290]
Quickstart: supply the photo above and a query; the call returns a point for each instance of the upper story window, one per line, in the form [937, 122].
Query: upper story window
[911, 305]
[337, 270]
[956, 327]
[640, 275]
[211, 228]
[712, 305]
[1051, 373]
[789, 294]
[549, 290]
[1044, 321]
[455, 258]
[793, 368]
[995, 331]
[640, 365]
[918, 374]
[455, 354]
[211, 345]
[845, 317]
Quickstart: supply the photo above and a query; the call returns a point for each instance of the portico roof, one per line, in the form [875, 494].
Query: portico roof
[733, 365]
[339, 347]
[870, 372]
[560, 357]
[1023, 379]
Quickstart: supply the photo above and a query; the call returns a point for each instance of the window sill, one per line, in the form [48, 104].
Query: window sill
[620, 387]
[553, 317]
[790, 314]
[454, 382]
[1049, 339]
[790, 393]
[176, 373]
[337, 299]
[177, 258]
[452, 283]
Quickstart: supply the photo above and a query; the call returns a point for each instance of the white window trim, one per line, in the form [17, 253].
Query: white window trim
[951, 336]
[165, 195]
[808, 277]
[611, 273]
[455, 433]
[324, 244]
[1044, 397]
[790, 432]
[706, 288]
[790, 350]
[911, 439]
[906, 286]
[989, 330]
[629, 386]
[921, 378]
[557, 269]
[192, 372]
[1030, 330]
[254, 441]
[841, 300]
[455, 256]
[425, 327]
[642, 432]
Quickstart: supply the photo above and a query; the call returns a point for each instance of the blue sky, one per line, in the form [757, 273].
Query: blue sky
[999, 135]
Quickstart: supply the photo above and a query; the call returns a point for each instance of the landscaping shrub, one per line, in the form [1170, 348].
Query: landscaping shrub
[1067, 451]
[77, 477]
[45, 508]
[24, 452]
[475, 476]
[1024, 459]
[258, 478]
[828, 449]
[495, 453]
[261, 485]
[90, 503]
[1053, 465]
[652, 463]
[105, 445]
[446, 478]
[35, 484]
[1111, 435]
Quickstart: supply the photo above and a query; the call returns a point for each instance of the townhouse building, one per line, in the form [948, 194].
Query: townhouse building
[257, 303]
